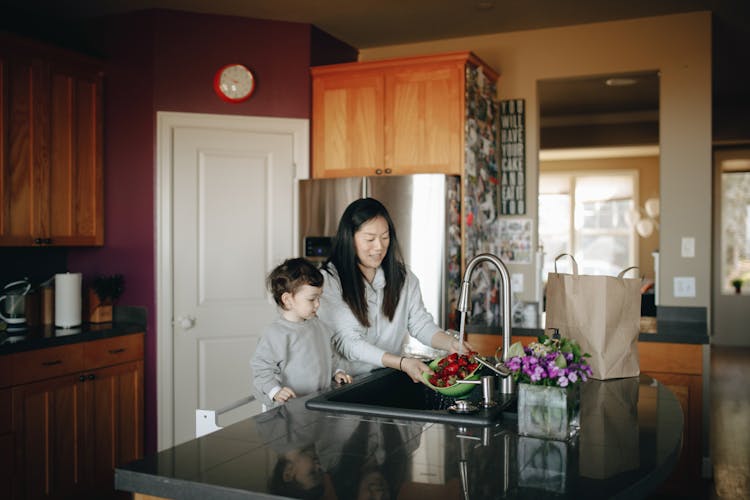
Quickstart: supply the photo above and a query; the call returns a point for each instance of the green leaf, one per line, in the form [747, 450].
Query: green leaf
[516, 350]
[560, 361]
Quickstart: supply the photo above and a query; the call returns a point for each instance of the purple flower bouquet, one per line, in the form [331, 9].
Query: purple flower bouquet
[549, 373]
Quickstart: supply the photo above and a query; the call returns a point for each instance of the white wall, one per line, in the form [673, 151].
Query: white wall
[679, 46]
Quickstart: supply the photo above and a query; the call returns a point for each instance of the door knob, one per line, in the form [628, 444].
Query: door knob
[186, 322]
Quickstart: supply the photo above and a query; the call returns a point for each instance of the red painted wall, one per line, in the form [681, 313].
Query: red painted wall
[190, 48]
[165, 61]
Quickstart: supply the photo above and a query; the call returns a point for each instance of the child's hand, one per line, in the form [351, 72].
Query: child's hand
[342, 378]
[284, 395]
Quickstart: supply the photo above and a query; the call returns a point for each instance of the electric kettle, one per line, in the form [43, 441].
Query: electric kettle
[13, 302]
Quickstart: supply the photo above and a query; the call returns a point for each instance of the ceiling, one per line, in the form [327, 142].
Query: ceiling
[372, 23]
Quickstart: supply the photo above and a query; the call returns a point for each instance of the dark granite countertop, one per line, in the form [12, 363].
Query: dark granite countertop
[628, 444]
[41, 337]
[681, 325]
[668, 331]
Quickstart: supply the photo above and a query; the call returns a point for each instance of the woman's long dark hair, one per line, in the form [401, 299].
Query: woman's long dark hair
[344, 257]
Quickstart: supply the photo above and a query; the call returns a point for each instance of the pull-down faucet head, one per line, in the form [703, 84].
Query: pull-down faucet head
[506, 384]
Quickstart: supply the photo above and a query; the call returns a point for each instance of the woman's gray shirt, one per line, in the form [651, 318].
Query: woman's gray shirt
[364, 347]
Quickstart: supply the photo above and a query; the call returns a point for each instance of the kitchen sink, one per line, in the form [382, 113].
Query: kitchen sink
[391, 393]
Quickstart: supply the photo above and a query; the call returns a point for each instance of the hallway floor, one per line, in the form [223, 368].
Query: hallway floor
[730, 422]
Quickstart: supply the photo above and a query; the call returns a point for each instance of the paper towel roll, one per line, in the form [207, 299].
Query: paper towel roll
[67, 300]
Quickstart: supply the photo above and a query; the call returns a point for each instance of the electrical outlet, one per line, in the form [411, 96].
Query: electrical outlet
[688, 247]
[684, 286]
[516, 283]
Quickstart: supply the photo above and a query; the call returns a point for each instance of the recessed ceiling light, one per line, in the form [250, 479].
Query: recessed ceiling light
[620, 82]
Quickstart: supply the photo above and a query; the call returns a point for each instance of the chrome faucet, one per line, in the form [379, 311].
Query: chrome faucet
[506, 383]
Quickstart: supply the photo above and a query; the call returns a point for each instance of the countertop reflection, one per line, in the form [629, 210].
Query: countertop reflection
[628, 444]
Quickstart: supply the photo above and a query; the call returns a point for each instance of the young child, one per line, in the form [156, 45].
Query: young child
[295, 357]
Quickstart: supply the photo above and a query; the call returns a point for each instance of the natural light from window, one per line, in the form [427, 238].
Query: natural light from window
[585, 214]
[735, 225]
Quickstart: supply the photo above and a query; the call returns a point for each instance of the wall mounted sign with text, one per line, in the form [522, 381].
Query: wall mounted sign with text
[513, 157]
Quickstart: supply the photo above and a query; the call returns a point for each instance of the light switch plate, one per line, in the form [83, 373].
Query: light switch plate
[688, 247]
[684, 286]
[516, 283]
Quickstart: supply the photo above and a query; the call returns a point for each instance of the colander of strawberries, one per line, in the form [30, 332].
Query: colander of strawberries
[448, 370]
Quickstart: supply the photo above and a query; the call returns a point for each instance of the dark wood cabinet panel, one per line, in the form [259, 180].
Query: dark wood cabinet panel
[7, 444]
[47, 420]
[51, 173]
[114, 434]
[75, 416]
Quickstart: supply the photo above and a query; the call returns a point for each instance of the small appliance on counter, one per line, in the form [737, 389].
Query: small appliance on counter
[13, 304]
[67, 300]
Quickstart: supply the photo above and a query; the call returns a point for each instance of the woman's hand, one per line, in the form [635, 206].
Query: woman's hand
[455, 345]
[342, 378]
[447, 342]
[284, 395]
[414, 368]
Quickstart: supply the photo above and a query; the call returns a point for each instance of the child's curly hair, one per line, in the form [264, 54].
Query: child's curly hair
[290, 276]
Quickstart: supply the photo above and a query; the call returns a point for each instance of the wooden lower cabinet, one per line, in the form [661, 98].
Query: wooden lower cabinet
[71, 431]
[679, 367]
[48, 422]
[114, 431]
[7, 443]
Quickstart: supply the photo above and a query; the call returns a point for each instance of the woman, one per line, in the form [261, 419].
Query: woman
[371, 300]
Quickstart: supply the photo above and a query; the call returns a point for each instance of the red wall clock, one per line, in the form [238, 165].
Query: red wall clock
[234, 83]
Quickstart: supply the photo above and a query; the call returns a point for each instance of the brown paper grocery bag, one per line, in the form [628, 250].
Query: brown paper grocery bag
[602, 313]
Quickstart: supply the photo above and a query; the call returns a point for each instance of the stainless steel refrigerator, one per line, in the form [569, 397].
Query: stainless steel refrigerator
[426, 210]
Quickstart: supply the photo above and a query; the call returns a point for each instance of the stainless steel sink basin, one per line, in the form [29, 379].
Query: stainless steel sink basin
[391, 393]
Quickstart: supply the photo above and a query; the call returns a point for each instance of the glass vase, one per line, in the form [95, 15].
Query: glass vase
[549, 412]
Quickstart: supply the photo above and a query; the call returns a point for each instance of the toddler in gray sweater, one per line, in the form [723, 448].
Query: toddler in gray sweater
[294, 356]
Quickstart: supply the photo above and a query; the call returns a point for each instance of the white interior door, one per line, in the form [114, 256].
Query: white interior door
[233, 210]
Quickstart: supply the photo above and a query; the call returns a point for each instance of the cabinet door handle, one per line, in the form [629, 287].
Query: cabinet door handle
[117, 351]
[82, 378]
[37, 241]
[92, 376]
[387, 170]
[378, 171]
[52, 363]
[47, 241]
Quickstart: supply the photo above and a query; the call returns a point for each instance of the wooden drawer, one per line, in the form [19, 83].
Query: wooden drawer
[113, 351]
[47, 363]
[671, 358]
[6, 363]
[6, 415]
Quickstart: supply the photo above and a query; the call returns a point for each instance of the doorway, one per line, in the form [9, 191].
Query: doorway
[599, 163]
[226, 215]
[731, 247]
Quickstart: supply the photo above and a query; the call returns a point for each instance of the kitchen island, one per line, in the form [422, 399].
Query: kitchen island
[629, 441]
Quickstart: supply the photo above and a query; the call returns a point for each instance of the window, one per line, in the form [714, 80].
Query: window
[735, 228]
[586, 215]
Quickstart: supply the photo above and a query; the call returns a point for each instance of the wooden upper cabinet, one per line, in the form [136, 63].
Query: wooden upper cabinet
[423, 118]
[397, 116]
[51, 182]
[347, 124]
